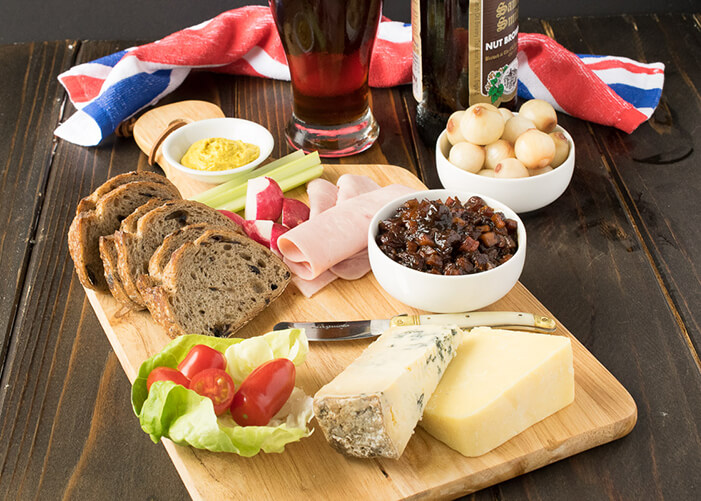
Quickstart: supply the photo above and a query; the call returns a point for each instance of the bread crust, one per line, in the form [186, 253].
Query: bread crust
[89, 202]
[158, 304]
[88, 226]
[108, 253]
[78, 236]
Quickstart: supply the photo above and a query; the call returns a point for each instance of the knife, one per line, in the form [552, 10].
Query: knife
[359, 329]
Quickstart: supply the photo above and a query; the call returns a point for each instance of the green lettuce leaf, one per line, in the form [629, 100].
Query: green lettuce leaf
[243, 357]
[174, 412]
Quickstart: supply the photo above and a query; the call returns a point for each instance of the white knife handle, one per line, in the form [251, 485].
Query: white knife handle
[507, 319]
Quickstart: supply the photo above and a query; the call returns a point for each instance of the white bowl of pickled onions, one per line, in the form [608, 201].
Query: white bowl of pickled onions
[524, 160]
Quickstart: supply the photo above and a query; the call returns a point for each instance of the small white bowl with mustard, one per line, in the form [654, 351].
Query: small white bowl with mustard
[215, 150]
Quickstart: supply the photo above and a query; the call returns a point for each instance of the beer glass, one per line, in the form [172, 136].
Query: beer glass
[328, 45]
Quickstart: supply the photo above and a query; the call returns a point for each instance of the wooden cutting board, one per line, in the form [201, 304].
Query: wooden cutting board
[310, 469]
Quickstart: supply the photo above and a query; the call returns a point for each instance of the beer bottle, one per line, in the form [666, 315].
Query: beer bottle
[464, 53]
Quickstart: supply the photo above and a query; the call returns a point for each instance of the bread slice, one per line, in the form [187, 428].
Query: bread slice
[108, 254]
[130, 222]
[134, 249]
[88, 226]
[215, 285]
[89, 202]
[160, 258]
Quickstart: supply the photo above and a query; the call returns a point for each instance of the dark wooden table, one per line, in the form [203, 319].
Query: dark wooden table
[616, 259]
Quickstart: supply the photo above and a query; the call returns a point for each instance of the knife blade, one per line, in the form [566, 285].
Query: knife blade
[360, 329]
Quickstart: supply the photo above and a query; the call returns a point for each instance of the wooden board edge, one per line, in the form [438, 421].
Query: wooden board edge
[632, 417]
[521, 465]
[528, 463]
[109, 332]
[186, 477]
[460, 487]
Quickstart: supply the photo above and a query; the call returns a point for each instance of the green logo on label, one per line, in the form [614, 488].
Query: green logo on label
[502, 81]
[495, 87]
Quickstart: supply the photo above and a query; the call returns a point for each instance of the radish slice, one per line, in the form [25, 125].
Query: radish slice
[233, 216]
[265, 233]
[263, 199]
[294, 212]
[251, 229]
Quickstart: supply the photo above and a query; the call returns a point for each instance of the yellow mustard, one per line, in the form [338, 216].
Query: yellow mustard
[218, 153]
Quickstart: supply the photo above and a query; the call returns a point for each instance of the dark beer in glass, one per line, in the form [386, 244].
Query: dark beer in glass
[328, 44]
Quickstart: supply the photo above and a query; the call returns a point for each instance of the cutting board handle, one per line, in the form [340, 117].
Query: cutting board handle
[172, 127]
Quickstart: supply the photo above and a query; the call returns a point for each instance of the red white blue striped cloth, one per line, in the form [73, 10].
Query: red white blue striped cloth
[603, 89]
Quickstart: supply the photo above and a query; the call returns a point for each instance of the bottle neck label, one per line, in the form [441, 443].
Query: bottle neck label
[492, 52]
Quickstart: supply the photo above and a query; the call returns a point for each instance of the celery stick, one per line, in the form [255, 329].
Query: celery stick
[286, 184]
[287, 170]
[308, 162]
[290, 183]
[245, 176]
[260, 171]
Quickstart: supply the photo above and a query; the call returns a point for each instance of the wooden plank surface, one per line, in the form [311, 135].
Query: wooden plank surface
[597, 260]
[60, 431]
[602, 410]
[663, 150]
[615, 304]
[31, 103]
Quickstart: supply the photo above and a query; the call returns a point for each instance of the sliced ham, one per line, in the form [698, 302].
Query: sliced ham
[322, 196]
[335, 234]
[352, 185]
[310, 287]
[354, 267]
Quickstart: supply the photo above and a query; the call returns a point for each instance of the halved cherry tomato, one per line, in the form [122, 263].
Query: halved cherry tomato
[199, 358]
[217, 385]
[263, 393]
[167, 374]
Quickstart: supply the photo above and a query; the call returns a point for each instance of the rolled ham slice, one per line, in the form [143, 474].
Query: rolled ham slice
[322, 196]
[352, 185]
[354, 267]
[310, 287]
[336, 234]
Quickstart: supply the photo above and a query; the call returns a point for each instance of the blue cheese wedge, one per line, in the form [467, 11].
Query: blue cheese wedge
[372, 407]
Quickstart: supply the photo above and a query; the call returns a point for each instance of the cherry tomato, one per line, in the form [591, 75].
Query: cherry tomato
[263, 393]
[199, 358]
[167, 374]
[217, 385]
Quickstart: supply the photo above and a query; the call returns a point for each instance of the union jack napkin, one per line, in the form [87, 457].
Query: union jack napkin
[604, 89]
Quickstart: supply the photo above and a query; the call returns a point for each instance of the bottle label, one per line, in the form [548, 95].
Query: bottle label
[416, 80]
[493, 47]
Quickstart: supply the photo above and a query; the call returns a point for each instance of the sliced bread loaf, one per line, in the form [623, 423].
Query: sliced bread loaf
[89, 202]
[88, 226]
[215, 285]
[159, 259]
[108, 254]
[134, 249]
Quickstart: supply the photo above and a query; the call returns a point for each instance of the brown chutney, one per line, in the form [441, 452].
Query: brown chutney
[448, 238]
